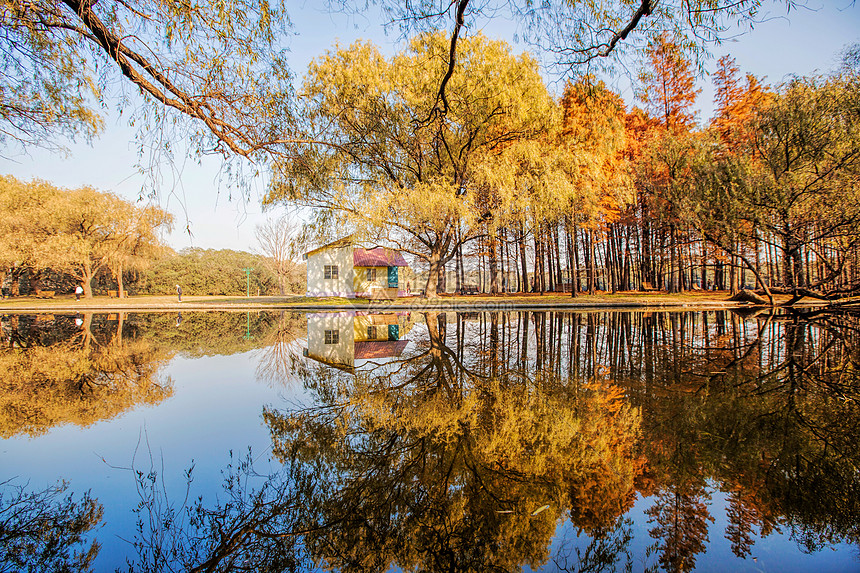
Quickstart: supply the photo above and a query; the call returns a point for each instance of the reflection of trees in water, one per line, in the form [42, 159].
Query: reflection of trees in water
[85, 368]
[73, 370]
[446, 459]
[766, 406]
[46, 531]
[280, 355]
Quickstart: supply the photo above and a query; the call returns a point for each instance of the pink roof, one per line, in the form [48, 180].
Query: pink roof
[365, 350]
[378, 257]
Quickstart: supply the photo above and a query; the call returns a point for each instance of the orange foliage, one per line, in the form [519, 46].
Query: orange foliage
[735, 105]
[593, 125]
[669, 87]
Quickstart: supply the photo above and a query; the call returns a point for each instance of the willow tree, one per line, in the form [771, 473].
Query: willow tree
[135, 239]
[808, 144]
[60, 57]
[396, 168]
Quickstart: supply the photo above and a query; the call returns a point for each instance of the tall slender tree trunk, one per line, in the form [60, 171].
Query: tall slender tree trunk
[577, 281]
[556, 240]
[120, 286]
[523, 259]
[492, 263]
[592, 287]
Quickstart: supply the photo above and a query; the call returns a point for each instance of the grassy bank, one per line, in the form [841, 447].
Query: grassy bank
[501, 302]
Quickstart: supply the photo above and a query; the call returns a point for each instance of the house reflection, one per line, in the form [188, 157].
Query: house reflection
[340, 339]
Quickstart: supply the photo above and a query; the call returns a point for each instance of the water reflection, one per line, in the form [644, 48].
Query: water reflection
[478, 440]
[491, 416]
[339, 339]
[46, 530]
[84, 368]
[73, 369]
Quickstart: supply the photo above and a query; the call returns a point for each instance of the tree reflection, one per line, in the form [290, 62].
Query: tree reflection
[467, 450]
[75, 370]
[762, 407]
[436, 462]
[46, 531]
[80, 369]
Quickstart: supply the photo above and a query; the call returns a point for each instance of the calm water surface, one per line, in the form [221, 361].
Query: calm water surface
[604, 441]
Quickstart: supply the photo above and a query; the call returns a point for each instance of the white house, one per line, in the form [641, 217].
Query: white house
[339, 269]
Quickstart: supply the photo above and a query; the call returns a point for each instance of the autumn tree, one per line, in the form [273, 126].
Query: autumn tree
[668, 93]
[735, 105]
[136, 240]
[397, 170]
[22, 206]
[668, 86]
[594, 128]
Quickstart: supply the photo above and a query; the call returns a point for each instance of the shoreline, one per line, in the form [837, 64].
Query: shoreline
[712, 300]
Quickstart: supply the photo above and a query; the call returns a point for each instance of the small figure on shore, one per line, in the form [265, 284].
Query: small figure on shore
[79, 290]
[179, 293]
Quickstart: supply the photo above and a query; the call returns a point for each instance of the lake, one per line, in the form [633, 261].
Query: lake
[430, 441]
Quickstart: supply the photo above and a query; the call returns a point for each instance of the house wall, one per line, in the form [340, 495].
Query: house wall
[341, 353]
[378, 288]
[381, 321]
[318, 285]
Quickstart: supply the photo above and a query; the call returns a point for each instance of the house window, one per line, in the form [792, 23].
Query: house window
[330, 271]
[332, 336]
[371, 275]
[371, 333]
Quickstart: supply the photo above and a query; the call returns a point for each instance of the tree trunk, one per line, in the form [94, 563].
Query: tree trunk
[433, 274]
[493, 264]
[87, 274]
[120, 285]
[556, 240]
[590, 262]
[673, 259]
[523, 260]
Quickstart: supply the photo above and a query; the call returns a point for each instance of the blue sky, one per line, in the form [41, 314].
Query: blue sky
[800, 42]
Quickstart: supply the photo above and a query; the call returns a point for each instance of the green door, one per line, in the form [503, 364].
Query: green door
[393, 332]
[392, 277]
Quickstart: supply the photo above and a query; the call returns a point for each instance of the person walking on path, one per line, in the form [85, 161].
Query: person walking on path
[179, 293]
[79, 290]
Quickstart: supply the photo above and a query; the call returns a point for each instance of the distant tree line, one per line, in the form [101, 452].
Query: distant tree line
[215, 272]
[54, 239]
